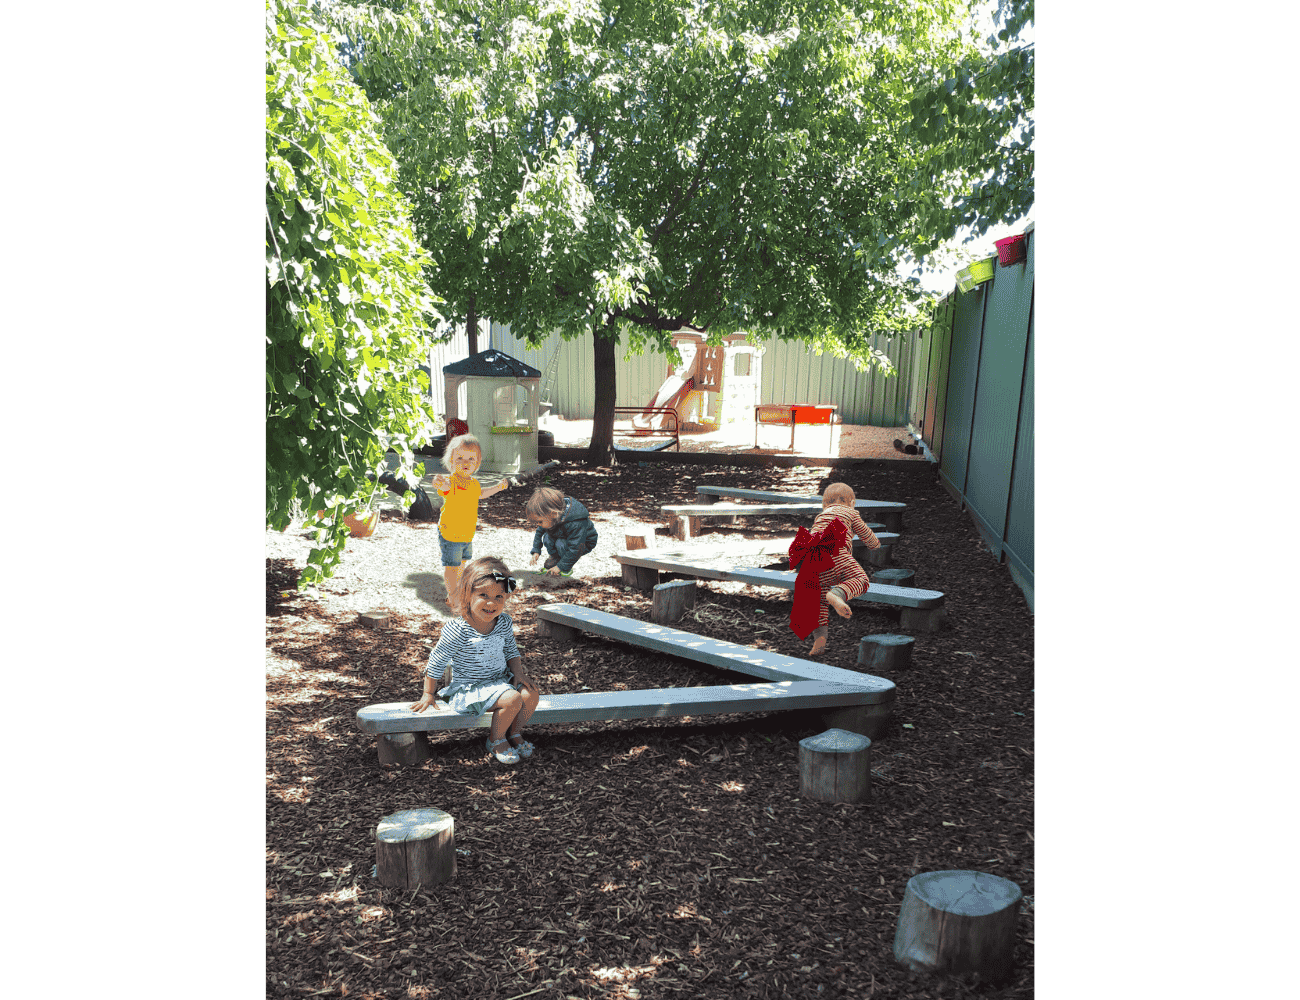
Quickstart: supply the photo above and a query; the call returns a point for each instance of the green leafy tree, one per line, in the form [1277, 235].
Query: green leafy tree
[643, 166]
[348, 307]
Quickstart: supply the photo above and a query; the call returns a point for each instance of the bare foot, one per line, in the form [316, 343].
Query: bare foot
[818, 645]
[839, 604]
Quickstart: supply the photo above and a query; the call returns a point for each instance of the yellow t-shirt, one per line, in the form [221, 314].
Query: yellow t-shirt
[460, 509]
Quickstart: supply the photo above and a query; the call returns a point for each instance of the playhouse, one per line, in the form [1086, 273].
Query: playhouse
[713, 386]
[501, 396]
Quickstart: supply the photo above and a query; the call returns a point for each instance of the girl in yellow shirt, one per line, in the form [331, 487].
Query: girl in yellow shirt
[461, 493]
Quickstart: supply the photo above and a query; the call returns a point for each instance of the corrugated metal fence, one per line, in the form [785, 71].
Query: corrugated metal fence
[972, 393]
[790, 374]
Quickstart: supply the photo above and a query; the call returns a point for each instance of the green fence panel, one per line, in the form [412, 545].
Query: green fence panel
[1019, 545]
[963, 380]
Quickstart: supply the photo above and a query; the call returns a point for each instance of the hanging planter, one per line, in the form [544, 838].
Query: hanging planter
[362, 524]
[974, 274]
[1011, 250]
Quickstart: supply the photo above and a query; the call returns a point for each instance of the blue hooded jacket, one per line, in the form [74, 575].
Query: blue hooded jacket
[572, 537]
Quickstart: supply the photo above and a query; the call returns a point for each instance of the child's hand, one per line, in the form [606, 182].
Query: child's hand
[532, 559]
[527, 682]
[553, 571]
[423, 703]
[442, 482]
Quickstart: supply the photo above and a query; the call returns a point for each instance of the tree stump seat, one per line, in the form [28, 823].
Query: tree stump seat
[885, 654]
[956, 922]
[415, 847]
[671, 600]
[835, 766]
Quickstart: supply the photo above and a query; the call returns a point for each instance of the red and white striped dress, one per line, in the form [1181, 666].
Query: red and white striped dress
[845, 573]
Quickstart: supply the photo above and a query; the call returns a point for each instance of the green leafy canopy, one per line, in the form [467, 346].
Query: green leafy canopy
[348, 304]
[635, 167]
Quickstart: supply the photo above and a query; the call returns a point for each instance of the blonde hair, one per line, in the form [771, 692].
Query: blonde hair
[467, 441]
[545, 500]
[838, 493]
[471, 574]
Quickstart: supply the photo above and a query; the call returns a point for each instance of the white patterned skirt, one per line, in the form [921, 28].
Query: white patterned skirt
[475, 699]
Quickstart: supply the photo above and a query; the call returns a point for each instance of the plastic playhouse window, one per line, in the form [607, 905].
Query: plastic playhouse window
[510, 406]
[742, 364]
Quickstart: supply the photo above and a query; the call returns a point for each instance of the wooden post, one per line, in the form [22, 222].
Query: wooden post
[835, 767]
[403, 748]
[684, 527]
[554, 630]
[922, 619]
[893, 519]
[415, 847]
[671, 600]
[885, 655]
[895, 577]
[870, 721]
[642, 539]
[955, 922]
[375, 618]
[880, 556]
[640, 577]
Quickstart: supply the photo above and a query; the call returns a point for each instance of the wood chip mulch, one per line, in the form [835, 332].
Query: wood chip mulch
[666, 858]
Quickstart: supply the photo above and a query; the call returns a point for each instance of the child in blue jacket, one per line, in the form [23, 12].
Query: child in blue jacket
[563, 526]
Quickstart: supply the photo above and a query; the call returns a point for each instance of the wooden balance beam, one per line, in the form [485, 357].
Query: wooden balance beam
[749, 549]
[887, 511]
[922, 610]
[844, 699]
[684, 519]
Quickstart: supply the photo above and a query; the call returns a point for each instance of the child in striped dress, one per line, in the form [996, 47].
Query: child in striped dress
[841, 580]
[487, 672]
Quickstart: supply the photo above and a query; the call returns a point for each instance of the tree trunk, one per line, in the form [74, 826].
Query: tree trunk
[604, 342]
[471, 325]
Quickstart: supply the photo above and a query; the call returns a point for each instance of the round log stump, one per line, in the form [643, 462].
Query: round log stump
[895, 577]
[644, 539]
[671, 600]
[415, 847]
[955, 922]
[880, 556]
[375, 618]
[885, 654]
[835, 766]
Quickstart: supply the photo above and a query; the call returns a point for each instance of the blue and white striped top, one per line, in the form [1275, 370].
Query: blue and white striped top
[475, 658]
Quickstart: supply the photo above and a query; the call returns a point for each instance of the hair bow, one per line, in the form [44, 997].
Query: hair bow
[508, 582]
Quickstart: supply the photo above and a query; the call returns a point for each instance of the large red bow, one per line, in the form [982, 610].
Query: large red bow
[813, 554]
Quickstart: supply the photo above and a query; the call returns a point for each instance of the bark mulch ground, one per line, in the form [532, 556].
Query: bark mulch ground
[669, 858]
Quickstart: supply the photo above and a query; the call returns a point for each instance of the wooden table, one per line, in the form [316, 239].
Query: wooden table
[795, 413]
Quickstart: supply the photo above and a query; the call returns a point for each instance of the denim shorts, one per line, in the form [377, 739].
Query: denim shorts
[454, 553]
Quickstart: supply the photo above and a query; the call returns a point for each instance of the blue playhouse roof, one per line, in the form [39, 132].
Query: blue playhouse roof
[492, 363]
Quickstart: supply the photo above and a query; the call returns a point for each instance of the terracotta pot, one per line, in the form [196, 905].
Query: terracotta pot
[362, 525]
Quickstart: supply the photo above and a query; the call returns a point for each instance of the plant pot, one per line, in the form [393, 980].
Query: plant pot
[363, 524]
[975, 273]
[1011, 250]
[360, 525]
